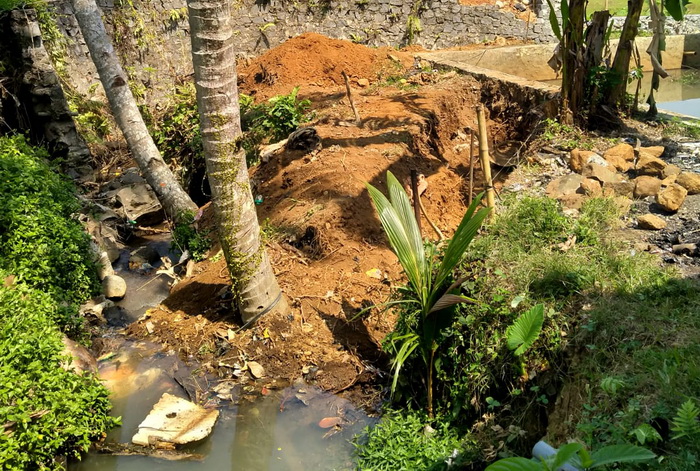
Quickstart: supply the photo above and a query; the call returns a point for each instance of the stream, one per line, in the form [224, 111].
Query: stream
[276, 431]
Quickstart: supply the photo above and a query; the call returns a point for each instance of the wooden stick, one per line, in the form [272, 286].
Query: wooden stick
[485, 161]
[416, 196]
[358, 120]
[471, 166]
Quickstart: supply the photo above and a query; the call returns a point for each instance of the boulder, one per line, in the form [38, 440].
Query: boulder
[668, 180]
[653, 151]
[175, 420]
[363, 82]
[566, 185]
[650, 165]
[651, 222]
[579, 158]
[625, 189]
[646, 186]
[670, 170]
[81, 359]
[690, 181]
[671, 198]
[600, 173]
[620, 152]
[139, 204]
[618, 162]
[591, 187]
[114, 287]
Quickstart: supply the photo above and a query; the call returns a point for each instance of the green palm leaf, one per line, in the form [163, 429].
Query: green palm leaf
[523, 333]
[460, 241]
[401, 239]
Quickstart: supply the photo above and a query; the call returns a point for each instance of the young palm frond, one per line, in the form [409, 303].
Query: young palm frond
[428, 286]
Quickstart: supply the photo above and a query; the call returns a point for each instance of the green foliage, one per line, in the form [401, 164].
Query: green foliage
[175, 128]
[526, 329]
[39, 243]
[645, 433]
[402, 441]
[431, 292]
[187, 237]
[46, 410]
[281, 115]
[532, 223]
[574, 454]
[686, 423]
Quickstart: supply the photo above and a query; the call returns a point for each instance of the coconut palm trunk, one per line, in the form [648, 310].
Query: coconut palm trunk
[214, 58]
[170, 193]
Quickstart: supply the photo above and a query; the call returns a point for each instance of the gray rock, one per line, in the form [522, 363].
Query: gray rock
[114, 287]
[139, 204]
[81, 359]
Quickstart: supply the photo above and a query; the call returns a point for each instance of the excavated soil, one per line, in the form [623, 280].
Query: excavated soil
[325, 242]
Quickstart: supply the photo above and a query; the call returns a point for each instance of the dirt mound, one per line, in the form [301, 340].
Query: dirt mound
[312, 59]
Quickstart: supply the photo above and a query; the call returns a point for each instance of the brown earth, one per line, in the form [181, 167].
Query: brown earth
[324, 240]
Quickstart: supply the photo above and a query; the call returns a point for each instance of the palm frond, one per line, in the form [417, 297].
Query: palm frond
[463, 236]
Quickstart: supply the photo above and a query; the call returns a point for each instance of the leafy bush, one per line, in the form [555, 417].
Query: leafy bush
[402, 441]
[45, 410]
[39, 243]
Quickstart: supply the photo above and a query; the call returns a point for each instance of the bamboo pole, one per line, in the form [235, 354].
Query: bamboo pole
[358, 120]
[485, 161]
[471, 166]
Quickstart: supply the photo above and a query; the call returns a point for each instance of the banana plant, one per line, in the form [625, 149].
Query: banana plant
[574, 455]
[430, 291]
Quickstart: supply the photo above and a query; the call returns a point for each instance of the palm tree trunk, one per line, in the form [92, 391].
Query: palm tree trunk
[172, 197]
[214, 61]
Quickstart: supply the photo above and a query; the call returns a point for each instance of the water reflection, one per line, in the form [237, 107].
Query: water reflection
[279, 431]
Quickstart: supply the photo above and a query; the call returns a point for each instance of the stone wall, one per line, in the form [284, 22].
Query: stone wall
[152, 35]
[689, 25]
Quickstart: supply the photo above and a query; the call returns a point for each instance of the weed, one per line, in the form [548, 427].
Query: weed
[684, 128]
[186, 237]
[402, 440]
[564, 136]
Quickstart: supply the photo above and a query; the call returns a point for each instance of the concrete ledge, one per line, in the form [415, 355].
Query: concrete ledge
[530, 62]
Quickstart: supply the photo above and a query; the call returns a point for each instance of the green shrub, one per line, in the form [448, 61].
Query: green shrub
[402, 441]
[39, 243]
[46, 410]
[187, 237]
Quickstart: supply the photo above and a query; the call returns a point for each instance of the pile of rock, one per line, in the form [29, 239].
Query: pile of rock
[625, 173]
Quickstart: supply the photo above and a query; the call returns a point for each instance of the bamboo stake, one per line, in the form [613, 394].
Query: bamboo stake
[358, 120]
[471, 165]
[485, 161]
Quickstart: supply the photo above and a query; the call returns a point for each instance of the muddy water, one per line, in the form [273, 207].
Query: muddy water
[279, 431]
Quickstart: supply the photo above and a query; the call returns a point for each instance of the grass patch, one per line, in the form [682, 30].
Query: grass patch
[619, 7]
[632, 326]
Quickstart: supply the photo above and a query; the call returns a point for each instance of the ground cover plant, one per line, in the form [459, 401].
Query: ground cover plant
[45, 269]
[601, 300]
